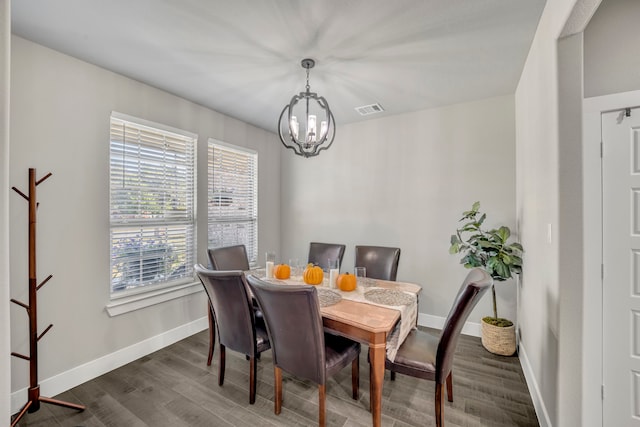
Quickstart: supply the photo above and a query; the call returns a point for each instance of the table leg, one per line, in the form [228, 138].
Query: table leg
[377, 353]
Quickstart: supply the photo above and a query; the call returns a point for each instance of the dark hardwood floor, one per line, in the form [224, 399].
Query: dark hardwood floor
[174, 387]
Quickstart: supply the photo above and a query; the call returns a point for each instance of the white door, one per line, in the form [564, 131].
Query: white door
[621, 259]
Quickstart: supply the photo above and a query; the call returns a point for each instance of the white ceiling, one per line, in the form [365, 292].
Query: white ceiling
[242, 57]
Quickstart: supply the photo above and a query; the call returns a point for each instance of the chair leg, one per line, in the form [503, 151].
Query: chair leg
[221, 365]
[322, 389]
[253, 365]
[355, 378]
[439, 404]
[212, 334]
[450, 386]
[277, 380]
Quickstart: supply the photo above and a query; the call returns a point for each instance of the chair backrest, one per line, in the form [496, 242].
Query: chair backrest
[381, 262]
[229, 258]
[294, 324]
[229, 298]
[319, 253]
[473, 288]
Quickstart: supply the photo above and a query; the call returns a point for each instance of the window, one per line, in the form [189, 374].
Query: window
[152, 190]
[233, 197]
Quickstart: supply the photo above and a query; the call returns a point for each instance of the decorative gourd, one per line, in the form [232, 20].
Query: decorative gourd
[313, 275]
[346, 282]
[282, 271]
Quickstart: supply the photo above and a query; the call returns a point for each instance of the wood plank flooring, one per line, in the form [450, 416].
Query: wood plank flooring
[174, 387]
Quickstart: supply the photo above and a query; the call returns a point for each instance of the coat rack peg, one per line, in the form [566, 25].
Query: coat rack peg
[20, 193]
[43, 178]
[43, 282]
[21, 304]
[21, 356]
[44, 332]
[33, 392]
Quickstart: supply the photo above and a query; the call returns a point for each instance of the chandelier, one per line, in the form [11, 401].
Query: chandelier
[306, 124]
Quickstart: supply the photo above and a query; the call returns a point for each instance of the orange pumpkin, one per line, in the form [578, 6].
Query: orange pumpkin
[282, 271]
[346, 282]
[313, 275]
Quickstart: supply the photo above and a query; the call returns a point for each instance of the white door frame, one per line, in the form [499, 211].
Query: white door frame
[592, 251]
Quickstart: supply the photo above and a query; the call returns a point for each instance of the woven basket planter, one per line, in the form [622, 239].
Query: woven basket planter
[499, 340]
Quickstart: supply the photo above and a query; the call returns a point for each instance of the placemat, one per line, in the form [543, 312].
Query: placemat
[327, 297]
[389, 297]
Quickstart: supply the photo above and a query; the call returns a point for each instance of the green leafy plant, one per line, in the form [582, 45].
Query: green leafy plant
[487, 249]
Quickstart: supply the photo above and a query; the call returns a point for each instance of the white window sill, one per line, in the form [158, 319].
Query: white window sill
[135, 302]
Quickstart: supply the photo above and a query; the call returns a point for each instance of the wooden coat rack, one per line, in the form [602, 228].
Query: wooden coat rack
[33, 404]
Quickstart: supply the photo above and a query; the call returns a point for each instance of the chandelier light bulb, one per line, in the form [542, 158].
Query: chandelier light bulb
[294, 127]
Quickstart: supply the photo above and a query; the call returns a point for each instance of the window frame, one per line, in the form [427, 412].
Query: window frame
[122, 301]
[252, 249]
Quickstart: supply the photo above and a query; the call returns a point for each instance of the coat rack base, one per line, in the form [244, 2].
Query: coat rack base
[34, 404]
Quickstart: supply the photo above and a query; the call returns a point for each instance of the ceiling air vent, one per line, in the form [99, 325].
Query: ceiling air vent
[367, 110]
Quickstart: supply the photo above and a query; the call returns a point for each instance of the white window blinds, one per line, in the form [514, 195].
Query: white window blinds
[233, 198]
[152, 190]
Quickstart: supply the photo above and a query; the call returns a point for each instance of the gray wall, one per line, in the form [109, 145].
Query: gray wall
[549, 125]
[5, 327]
[570, 231]
[404, 181]
[611, 81]
[539, 164]
[611, 40]
[60, 123]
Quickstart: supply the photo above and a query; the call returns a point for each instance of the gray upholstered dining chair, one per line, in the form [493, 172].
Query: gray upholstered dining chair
[225, 258]
[426, 356]
[319, 253]
[299, 344]
[229, 258]
[238, 330]
[381, 262]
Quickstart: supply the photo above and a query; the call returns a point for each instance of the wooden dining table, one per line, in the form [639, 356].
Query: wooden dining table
[370, 325]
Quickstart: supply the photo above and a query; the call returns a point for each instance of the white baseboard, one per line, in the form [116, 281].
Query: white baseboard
[534, 390]
[437, 322]
[474, 329]
[67, 380]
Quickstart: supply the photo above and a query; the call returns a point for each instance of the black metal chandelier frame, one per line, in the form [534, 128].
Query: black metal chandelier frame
[306, 146]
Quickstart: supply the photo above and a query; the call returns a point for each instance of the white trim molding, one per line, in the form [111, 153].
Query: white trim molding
[475, 330]
[141, 300]
[67, 380]
[534, 390]
[437, 322]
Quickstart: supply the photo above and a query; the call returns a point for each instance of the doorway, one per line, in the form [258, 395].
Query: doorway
[593, 385]
[621, 267]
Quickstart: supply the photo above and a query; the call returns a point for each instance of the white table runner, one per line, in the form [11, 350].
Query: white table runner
[408, 314]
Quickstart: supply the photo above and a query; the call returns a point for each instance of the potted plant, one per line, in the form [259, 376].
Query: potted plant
[490, 250]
